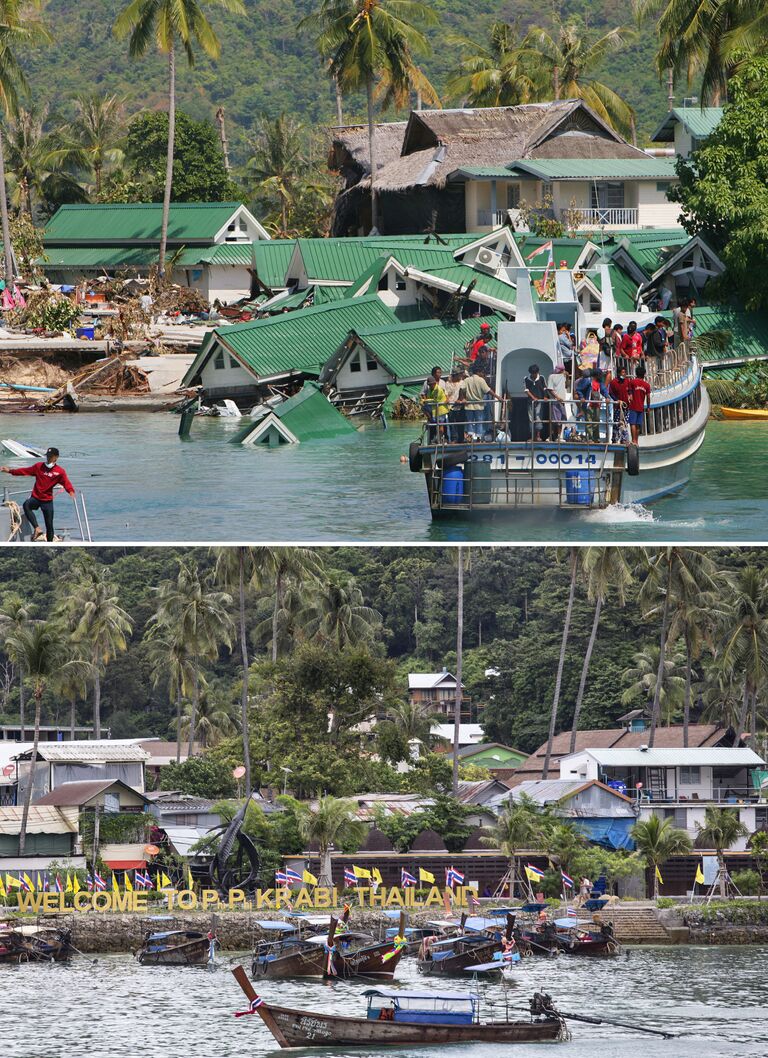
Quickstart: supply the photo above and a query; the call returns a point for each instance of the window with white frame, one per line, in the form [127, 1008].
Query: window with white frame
[690, 776]
[218, 361]
[607, 194]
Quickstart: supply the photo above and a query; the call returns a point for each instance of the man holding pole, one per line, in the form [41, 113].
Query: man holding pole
[47, 475]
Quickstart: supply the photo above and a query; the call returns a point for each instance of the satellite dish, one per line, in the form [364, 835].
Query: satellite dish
[239, 772]
[151, 850]
[9, 769]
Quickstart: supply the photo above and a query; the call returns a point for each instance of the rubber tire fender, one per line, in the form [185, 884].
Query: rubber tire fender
[633, 460]
[453, 459]
[414, 457]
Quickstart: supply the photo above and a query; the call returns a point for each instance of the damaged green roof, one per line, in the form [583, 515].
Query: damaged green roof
[649, 249]
[623, 286]
[461, 274]
[272, 259]
[412, 350]
[748, 331]
[138, 222]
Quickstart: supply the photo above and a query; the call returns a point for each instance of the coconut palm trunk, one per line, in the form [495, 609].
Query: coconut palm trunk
[721, 873]
[326, 868]
[72, 718]
[655, 881]
[662, 659]
[96, 662]
[5, 224]
[33, 766]
[459, 666]
[168, 161]
[22, 702]
[585, 673]
[244, 659]
[371, 155]
[178, 725]
[276, 611]
[688, 675]
[560, 667]
[339, 102]
[195, 704]
[743, 713]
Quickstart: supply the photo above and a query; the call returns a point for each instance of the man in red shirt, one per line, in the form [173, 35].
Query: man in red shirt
[619, 393]
[47, 476]
[639, 399]
[482, 339]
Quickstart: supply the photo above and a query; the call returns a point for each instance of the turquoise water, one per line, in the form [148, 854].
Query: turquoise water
[143, 484]
[110, 1007]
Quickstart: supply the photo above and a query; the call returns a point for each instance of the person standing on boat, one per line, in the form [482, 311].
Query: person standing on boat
[435, 404]
[557, 388]
[536, 388]
[618, 391]
[456, 415]
[639, 399]
[475, 391]
[47, 475]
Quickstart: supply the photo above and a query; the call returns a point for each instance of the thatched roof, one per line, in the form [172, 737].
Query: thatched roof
[428, 841]
[474, 841]
[435, 143]
[377, 841]
[349, 154]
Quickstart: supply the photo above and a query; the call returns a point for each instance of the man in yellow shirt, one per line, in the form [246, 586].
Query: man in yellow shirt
[435, 404]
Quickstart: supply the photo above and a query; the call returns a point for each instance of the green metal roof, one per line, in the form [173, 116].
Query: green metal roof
[749, 332]
[230, 253]
[411, 351]
[641, 168]
[459, 273]
[138, 222]
[272, 259]
[623, 286]
[700, 122]
[488, 172]
[325, 295]
[110, 258]
[344, 260]
[311, 416]
[649, 250]
[300, 340]
[568, 250]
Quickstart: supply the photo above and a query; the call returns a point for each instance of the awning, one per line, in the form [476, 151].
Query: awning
[125, 865]
[611, 833]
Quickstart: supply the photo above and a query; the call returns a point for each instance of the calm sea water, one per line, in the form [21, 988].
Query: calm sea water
[143, 484]
[111, 1007]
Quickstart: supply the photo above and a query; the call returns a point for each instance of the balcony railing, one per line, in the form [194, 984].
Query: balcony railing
[624, 217]
[491, 218]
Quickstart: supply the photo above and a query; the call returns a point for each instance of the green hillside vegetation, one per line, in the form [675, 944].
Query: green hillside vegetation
[334, 634]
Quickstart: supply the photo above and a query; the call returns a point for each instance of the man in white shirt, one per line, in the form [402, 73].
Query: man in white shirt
[557, 385]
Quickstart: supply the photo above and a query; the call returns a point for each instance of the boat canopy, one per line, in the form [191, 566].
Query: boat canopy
[421, 1000]
[569, 923]
[477, 923]
[282, 927]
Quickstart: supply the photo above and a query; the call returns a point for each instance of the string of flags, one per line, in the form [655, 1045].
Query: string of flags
[95, 882]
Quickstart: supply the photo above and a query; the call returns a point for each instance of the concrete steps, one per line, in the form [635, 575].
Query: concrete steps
[636, 924]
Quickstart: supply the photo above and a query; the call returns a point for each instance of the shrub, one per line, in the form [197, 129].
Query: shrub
[747, 882]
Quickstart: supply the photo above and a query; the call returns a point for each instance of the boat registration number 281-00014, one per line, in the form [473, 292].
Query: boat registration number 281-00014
[541, 459]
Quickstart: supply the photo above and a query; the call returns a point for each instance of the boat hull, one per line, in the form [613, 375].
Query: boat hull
[193, 953]
[308, 1028]
[462, 960]
[303, 962]
[748, 414]
[369, 962]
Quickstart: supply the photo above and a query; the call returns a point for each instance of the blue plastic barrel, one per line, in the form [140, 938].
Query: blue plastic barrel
[85, 332]
[453, 485]
[580, 486]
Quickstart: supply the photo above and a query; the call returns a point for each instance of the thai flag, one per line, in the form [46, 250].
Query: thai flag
[281, 878]
[567, 880]
[350, 878]
[24, 884]
[453, 877]
[98, 881]
[292, 876]
[59, 885]
[571, 912]
[530, 870]
[146, 879]
[89, 883]
[44, 887]
[406, 878]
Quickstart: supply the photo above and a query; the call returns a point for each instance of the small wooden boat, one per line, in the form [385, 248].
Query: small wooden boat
[752, 414]
[177, 948]
[31, 943]
[396, 1018]
[538, 940]
[586, 938]
[476, 944]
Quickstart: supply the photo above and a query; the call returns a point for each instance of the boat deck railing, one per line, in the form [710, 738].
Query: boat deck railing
[14, 499]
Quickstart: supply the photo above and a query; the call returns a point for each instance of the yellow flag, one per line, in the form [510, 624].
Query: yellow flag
[29, 882]
[39, 883]
[377, 875]
[699, 875]
[190, 879]
[127, 882]
[165, 881]
[361, 872]
[76, 885]
[115, 886]
[11, 882]
[658, 875]
[426, 876]
[309, 878]
[2, 889]
[68, 886]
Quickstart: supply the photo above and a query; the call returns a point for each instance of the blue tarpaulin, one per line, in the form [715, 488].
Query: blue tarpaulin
[611, 833]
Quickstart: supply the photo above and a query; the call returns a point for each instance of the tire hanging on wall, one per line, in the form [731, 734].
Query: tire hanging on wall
[414, 456]
[633, 460]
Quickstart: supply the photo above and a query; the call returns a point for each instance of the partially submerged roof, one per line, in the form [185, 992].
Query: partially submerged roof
[140, 222]
[748, 333]
[699, 122]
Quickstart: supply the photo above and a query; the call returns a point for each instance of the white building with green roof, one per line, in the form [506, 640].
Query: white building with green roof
[687, 128]
[210, 244]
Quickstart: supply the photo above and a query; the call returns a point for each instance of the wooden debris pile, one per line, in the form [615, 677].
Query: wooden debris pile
[110, 377]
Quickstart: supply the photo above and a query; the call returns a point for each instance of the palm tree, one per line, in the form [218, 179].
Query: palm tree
[278, 161]
[744, 648]
[91, 608]
[41, 164]
[605, 568]
[282, 567]
[370, 39]
[459, 667]
[170, 24]
[15, 615]
[562, 843]
[200, 618]
[412, 720]
[722, 829]
[98, 130]
[332, 822]
[657, 840]
[41, 648]
[491, 73]
[516, 828]
[642, 676]
[19, 29]
[215, 719]
[568, 60]
[337, 614]
[235, 569]
[575, 561]
[171, 665]
[71, 681]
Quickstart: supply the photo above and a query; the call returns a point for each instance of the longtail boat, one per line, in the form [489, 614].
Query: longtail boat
[30, 943]
[379, 959]
[475, 945]
[750, 414]
[586, 938]
[177, 948]
[402, 1018]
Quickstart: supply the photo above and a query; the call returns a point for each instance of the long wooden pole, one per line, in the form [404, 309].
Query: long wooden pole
[263, 1011]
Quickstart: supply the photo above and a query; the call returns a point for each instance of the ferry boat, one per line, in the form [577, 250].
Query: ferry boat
[585, 465]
